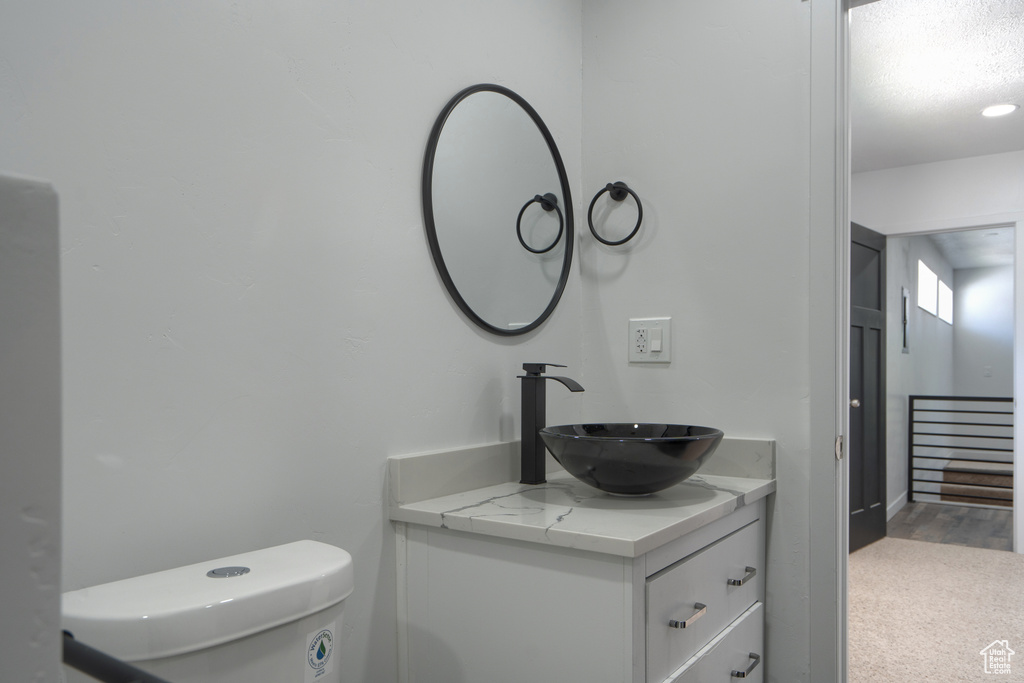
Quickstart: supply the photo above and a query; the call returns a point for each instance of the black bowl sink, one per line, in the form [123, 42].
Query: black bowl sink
[628, 458]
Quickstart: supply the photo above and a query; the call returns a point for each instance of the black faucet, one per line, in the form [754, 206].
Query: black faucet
[534, 409]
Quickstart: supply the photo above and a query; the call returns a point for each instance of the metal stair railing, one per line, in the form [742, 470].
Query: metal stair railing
[960, 450]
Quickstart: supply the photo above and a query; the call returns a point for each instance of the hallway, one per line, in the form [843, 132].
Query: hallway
[975, 527]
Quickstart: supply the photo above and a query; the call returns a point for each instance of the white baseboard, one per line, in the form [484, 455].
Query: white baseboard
[895, 506]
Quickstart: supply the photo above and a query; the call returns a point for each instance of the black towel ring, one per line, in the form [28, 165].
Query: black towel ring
[617, 191]
[549, 202]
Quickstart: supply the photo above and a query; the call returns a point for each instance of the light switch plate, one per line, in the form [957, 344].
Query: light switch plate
[639, 342]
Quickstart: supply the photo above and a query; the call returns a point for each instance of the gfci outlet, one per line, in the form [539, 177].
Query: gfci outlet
[649, 340]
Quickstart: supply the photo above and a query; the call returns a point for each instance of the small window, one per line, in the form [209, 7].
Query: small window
[945, 302]
[927, 288]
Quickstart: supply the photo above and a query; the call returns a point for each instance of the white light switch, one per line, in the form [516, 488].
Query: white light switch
[656, 339]
[649, 340]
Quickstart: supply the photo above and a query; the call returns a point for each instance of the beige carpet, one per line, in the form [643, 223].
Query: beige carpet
[924, 612]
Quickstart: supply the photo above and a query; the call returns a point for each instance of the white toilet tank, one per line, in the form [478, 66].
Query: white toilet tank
[212, 622]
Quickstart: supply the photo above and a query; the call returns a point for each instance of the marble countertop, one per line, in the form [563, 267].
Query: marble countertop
[563, 512]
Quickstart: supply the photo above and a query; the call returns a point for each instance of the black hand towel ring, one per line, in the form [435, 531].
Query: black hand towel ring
[618, 192]
[548, 202]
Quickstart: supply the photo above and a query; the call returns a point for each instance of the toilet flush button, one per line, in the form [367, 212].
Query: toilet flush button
[227, 572]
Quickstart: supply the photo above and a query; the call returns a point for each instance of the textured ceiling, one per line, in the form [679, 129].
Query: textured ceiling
[979, 248]
[921, 71]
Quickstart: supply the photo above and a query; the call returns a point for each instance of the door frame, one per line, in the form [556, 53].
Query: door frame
[829, 270]
[829, 238]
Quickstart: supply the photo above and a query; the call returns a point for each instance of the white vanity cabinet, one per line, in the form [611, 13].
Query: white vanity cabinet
[476, 608]
[694, 600]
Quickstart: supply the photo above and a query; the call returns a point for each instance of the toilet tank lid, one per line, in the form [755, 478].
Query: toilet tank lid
[181, 610]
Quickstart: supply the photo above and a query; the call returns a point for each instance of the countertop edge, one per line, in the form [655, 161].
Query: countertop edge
[684, 527]
[609, 543]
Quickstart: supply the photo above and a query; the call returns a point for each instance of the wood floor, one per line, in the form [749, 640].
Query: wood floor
[954, 524]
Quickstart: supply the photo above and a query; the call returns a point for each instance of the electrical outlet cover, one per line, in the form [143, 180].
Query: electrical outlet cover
[639, 341]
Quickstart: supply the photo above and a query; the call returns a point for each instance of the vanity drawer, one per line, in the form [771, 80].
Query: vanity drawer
[690, 602]
[733, 657]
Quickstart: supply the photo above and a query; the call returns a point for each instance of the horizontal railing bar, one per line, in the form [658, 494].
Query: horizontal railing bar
[963, 448]
[960, 470]
[977, 498]
[964, 495]
[946, 457]
[960, 483]
[966, 436]
[950, 422]
[989, 399]
[970, 412]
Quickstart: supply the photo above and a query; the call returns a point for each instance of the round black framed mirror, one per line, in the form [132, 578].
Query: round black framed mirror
[497, 209]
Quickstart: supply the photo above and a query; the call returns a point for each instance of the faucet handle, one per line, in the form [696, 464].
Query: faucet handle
[538, 368]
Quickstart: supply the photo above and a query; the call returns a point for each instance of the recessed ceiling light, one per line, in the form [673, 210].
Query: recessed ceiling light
[1000, 110]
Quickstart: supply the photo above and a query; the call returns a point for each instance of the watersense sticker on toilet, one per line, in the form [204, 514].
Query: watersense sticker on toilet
[319, 648]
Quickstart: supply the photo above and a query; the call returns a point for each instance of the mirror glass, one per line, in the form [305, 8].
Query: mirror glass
[497, 209]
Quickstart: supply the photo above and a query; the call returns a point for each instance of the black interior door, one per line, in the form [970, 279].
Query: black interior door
[866, 446]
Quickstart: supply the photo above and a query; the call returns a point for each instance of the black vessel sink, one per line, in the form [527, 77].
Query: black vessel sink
[630, 458]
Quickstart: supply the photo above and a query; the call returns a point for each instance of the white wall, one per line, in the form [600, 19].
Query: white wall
[928, 366]
[252, 322]
[30, 431]
[723, 249]
[948, 195]
[944, 195]
[983, 331]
